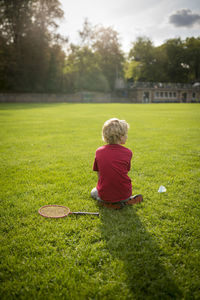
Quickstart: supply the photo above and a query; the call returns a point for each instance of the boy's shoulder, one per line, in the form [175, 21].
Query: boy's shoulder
[118, 147]
[126, 150]
[101, 148]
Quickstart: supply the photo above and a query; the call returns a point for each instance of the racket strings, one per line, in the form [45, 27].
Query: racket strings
[51, 211]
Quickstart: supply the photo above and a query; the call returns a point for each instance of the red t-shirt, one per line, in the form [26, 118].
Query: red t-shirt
[113, 162]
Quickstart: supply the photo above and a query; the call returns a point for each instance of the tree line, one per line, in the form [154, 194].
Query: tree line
[35, 58]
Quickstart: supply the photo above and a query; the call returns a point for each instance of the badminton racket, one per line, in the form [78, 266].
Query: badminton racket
[59, 211]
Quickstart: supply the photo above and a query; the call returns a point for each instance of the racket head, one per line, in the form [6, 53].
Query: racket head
[54, 211]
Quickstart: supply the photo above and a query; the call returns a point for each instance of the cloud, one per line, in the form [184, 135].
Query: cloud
[184, 18]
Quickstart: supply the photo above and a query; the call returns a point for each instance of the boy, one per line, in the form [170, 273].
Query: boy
[113, 162]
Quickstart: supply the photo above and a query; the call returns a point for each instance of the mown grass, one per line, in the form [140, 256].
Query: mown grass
[149, 251]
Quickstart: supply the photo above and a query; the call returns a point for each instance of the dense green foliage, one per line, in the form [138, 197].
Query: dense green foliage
[32, 56]
[174, 61]
[97, 61]
[148, 251]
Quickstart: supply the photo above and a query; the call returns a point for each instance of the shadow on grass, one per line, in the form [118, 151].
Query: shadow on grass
[128, 240]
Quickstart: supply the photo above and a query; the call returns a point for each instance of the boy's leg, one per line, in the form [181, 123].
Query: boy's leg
[121, 204]
[94, 194]
[130, 201]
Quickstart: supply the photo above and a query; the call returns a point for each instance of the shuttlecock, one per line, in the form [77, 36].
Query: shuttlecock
[162, 189]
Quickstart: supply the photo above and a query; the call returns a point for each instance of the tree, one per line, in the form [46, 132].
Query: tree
[15, 21]
[15, 16]
[83, 72]
[159, 73]
[132, 70]
[173, 61]
[192, 58]
[174, 65]
[143, 55]
[28, 31]
[87, 34]
[110, 56]
[55, 72]
[97, 61]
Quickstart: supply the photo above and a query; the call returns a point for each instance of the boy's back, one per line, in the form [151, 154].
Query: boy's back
[113, 162]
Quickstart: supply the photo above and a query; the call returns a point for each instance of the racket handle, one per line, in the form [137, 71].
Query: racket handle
[85, 213]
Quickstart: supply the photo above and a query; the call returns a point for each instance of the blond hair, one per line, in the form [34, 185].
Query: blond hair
[113, 130]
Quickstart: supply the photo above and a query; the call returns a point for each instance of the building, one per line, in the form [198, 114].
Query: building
[150, 92]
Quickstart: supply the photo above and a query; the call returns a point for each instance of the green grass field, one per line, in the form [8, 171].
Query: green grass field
[148, 251]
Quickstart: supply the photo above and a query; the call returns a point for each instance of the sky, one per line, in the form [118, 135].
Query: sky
[157, 19]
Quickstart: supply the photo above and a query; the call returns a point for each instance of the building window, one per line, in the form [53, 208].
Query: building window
[174, 94]
[170, 94]
[161, 94]
[166, 94]
[193, 95]
[157, 94]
